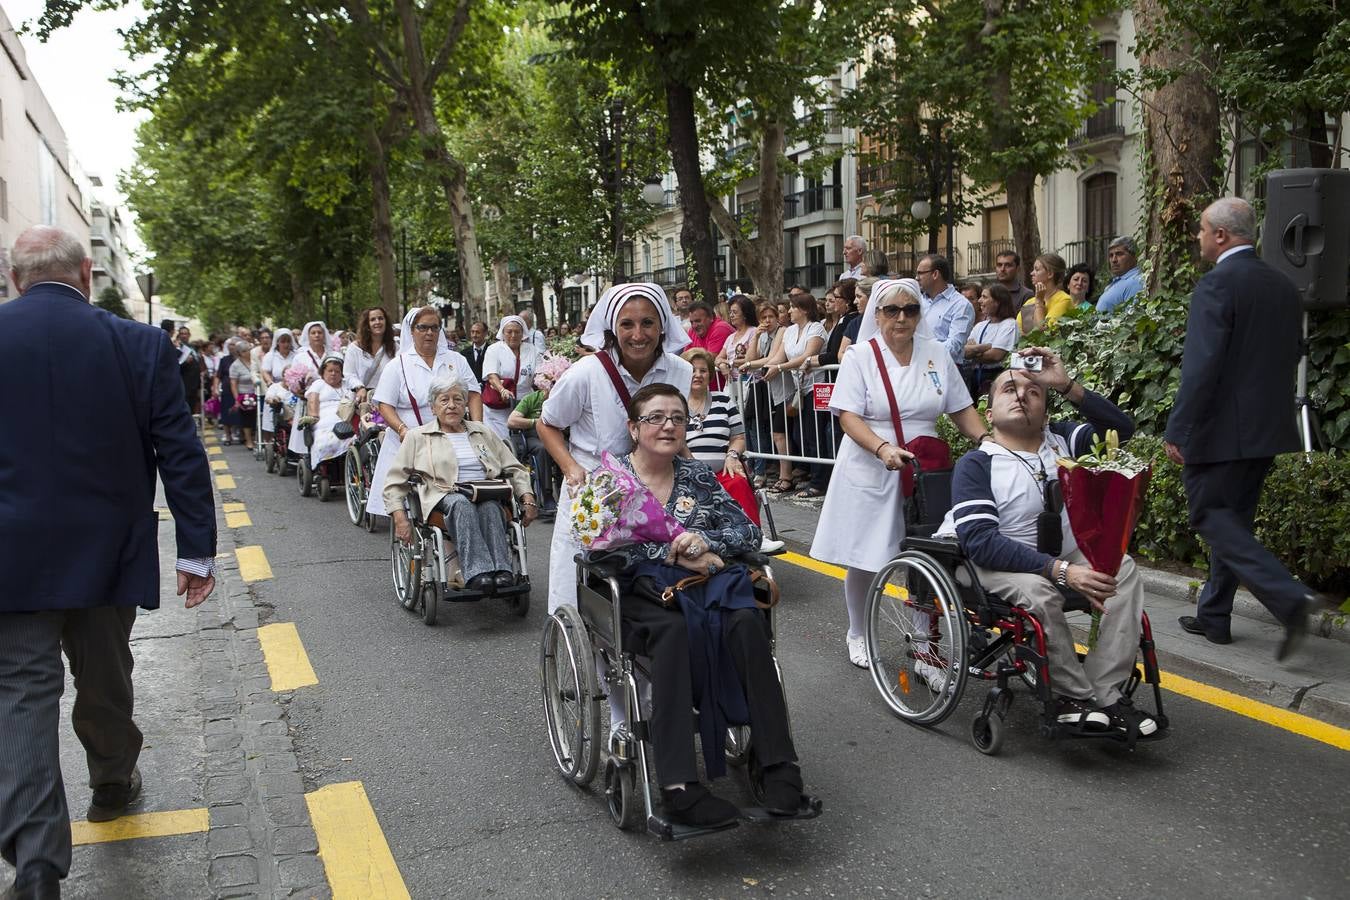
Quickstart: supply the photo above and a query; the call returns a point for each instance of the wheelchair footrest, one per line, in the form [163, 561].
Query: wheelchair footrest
[810, 809]
[673, 831]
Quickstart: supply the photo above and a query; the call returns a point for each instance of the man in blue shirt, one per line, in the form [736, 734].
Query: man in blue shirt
[1122, 258]
[946, 312]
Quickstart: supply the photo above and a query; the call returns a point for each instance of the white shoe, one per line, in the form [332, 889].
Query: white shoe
[857, 652]
[933, 676]
[767, 546]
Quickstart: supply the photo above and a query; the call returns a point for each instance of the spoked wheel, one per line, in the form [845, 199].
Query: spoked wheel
[406, 565]
[916, 638]
[356, 491]
[738, 744]
[431, 599]
[571, 696]
[305, 475]
[324, 488]
[621, 795]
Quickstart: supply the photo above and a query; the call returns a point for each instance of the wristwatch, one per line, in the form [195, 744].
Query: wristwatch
[736, 453]
[1062, 576]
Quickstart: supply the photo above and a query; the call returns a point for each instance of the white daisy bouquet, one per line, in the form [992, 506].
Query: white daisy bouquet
[613, 508]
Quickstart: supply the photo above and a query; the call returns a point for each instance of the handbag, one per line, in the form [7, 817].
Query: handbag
[932, 454]
[740, 490]
[647, 588]
[483, 491]
[495, 399]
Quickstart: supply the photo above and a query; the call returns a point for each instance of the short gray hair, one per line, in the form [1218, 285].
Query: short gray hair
[47, 253]
[445, 386]
[1127, 242]
[857, 239]
[1234, 215]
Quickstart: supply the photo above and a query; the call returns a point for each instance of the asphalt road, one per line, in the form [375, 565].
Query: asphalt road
[445, 729]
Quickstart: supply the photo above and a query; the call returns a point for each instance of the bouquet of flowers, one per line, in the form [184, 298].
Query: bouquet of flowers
[297, 378]
[1104, 494]
[614, 509]
[549, 370]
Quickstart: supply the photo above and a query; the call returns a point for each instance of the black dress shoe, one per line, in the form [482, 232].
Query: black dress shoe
[505, 580]
[695, 805]
[1191, 625]
[484, 583]
[783, 789]
[45, 885]
[1296, 629]
[111, 800]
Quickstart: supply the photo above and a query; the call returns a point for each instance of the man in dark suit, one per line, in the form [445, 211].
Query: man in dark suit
[476, 348]
[78, 531]
[1233, 413]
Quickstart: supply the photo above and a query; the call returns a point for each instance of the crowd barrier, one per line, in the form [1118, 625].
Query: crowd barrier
[788, 419]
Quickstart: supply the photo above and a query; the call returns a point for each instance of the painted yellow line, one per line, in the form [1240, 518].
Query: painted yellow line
[355, 855]
[141, 825]
[219, 465]
[232, 507]
[287, 661]
[1276, 716]
[253, 565]
[214, 451]
[237, 520]
[224, 482]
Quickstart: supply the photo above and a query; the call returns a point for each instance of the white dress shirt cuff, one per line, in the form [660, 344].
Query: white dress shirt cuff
[202, 567]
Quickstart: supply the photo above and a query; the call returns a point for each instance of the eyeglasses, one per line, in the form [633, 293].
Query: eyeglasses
[909, 310]
[660, 419]
[426, 326]
[918, 272]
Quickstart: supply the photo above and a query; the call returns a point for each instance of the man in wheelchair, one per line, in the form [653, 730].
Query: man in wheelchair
[1008, 515]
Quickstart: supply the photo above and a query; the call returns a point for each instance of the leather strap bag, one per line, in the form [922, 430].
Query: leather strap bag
[617, 380]
[493, 398]
[932, 454]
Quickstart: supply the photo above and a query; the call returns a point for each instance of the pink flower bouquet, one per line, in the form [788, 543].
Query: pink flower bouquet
[615, 509]
[297, 378]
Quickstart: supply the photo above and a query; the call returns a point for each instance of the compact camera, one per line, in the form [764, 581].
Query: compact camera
[1030, 363]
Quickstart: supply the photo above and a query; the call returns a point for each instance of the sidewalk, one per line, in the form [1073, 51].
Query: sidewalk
[223, 812]
[1315, 682]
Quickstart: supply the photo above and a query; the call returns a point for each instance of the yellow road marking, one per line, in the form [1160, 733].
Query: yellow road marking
[214, 451]
[1285, 719]
[355, 855]
[287, 662]
[141, 825]
[232, 507]
[220, 465]
[253, 565]
[224, 482]
[237, 520]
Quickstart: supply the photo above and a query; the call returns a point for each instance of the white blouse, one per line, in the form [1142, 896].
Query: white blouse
[926, 388]
[408, 372]
[359, 369]
[500, 361]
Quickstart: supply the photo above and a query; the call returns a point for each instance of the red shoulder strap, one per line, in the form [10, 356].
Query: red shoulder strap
[890, 393]
[417, 410]
[614, 377]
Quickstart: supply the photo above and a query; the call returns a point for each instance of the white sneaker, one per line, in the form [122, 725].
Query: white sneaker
[933, 676]
[857, 652]
[767, 546]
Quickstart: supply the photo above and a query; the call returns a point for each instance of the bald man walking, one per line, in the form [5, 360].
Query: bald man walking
[104, 413]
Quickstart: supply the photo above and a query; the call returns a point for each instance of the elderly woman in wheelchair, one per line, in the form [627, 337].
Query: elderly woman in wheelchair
[462, 475]
[706, 646]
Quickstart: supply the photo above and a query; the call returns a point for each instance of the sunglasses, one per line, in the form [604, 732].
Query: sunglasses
[909, 310]
[425, 327]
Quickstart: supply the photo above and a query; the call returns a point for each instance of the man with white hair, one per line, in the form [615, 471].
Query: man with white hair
[533, 335]
[854, 248]
[1233, 413]
[85, 470]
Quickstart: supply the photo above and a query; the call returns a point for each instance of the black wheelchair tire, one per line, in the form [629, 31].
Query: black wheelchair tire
[269, 459]
[430, 600]
[986, 733]
[621, 795]
[324, 488]
[305, 475]
[565, 641]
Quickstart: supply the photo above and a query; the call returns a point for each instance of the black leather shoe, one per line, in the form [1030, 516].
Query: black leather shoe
[783, 789]
[484, 583]
[45, 885]
[1296, 629]
[505, 580]
[111, 801]
[699, 807]
[1191, 625]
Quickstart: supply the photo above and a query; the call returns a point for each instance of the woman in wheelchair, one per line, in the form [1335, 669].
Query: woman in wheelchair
[448, 450]
[717, 531]
[325, 402]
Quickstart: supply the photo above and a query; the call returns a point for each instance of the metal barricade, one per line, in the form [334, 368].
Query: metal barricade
[787, 418]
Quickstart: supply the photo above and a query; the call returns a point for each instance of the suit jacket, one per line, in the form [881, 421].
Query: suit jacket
[100, 410]
[1239, 367]
[475, 357]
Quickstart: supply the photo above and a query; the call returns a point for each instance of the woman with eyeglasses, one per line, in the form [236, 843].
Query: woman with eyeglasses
[402, 394]
[925, 383]
[715, 434]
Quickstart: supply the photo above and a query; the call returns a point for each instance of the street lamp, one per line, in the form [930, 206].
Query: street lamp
[921, 209]
[653, 193]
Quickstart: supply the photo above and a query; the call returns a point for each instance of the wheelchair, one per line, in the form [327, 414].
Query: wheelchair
[360, 473]
[545, 476]
[932, 628]
[321, 479]
[275, 456]
[426, 572]
[580, 639]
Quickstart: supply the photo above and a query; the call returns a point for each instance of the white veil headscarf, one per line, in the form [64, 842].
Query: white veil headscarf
[404, 339]
[304, 341]
[507, 320]
[605, 316]
[271, 356]
[885, 290]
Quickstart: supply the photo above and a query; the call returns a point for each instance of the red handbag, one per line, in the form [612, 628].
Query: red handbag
[933, 454]
[740, 490]
[494, 399]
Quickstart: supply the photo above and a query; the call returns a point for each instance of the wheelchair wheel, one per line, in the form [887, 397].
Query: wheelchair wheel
[431, 599]
[571, 695]
[324, 488]
[519, 604]
[621, 795]
[269, 458]
[406, 568]
[738, 744]
[305, 475]
[916, 638]
[986, 733]
[356, 491]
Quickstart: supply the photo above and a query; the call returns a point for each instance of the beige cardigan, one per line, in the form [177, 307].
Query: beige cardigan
[427, 451]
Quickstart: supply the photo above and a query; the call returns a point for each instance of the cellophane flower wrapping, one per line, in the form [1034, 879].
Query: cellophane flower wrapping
[1103, 495]
[613, 508]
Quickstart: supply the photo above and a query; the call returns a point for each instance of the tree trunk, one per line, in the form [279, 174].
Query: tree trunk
[501, 283]
[763, 255]
[695, 236]
[382, 223]
[299, 298]
[1022, 214]
[540, 313]
[1182, 142]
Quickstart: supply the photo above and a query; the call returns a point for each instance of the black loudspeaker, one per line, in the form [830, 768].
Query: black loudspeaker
[1306, 234]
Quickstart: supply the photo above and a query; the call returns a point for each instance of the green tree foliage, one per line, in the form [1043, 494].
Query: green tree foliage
[110, 298]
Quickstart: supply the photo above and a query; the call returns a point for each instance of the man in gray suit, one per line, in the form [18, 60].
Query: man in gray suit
[104, 413]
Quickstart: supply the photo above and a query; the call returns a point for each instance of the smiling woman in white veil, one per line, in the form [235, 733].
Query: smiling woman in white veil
[926, 383]
[639, 340]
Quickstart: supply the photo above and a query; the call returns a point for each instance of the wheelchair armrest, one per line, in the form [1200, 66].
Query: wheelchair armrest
[601, 564]
[412, 504]
[751, 558]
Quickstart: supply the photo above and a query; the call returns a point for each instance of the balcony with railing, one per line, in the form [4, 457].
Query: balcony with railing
[903, 262]
[670, 200]
[1091, 251]
[1102, 126]
[829, 118]
[822, 198]
[980, 256]
[811, 277]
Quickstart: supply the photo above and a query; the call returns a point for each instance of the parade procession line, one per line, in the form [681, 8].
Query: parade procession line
[141, 825]
[1284, 719]
[287, 662]
[352, 846]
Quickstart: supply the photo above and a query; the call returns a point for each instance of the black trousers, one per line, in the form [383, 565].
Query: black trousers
[34, 820]
[654, 631]
[1222, 498]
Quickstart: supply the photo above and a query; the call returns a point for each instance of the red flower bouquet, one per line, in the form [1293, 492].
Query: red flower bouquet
[1104, 494]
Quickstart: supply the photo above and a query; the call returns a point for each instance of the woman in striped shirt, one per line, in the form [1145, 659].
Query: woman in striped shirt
[715, 433]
